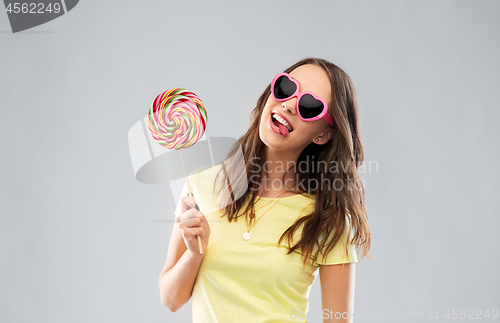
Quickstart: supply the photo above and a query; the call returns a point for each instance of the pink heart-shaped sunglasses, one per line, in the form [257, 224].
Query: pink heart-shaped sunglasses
[309, 106]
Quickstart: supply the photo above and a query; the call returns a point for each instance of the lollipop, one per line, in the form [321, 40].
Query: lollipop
[176, 120]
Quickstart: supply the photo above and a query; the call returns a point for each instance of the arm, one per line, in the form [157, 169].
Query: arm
[337, 291]
[181, 267]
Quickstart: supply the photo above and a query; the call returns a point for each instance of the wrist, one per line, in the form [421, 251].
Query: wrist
[195, 255]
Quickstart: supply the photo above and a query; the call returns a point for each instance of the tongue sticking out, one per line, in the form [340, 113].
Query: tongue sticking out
[283, 129]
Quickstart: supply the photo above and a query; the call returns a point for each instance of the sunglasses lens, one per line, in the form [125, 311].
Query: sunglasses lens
[284, 87]
[310, 107]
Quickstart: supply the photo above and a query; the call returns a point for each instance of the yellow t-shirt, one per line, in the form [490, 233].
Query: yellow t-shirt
[253, 280]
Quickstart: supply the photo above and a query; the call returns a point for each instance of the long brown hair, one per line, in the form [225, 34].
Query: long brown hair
[326, 225]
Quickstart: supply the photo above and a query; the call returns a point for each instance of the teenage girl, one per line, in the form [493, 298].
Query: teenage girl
[295, 208]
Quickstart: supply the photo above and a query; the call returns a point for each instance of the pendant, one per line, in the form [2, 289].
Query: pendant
[247, 235]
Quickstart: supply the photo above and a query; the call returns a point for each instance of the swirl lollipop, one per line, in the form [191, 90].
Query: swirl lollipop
[177, 119]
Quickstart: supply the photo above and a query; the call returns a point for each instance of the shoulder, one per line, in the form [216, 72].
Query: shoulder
[205, 173]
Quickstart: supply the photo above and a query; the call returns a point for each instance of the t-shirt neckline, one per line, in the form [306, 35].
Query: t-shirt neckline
[276, 198]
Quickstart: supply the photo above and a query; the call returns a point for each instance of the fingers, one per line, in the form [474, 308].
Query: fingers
[190, 221]
[191, 233]
[190, 214]
[189, 203]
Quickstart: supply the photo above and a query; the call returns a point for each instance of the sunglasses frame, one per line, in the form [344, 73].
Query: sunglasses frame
[323, 114]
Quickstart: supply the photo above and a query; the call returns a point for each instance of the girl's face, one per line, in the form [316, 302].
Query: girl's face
[311, 78]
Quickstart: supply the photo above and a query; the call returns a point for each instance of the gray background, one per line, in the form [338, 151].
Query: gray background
[77, 241]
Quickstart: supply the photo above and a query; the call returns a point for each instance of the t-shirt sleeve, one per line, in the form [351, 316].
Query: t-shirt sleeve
[338, 254]
[193, 180]
[184, 193]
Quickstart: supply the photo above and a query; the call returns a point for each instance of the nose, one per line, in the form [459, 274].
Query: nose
[289, 105]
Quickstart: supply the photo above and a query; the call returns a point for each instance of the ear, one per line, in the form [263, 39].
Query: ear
[324, 137]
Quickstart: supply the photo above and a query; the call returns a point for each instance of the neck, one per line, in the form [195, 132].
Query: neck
[275, 166]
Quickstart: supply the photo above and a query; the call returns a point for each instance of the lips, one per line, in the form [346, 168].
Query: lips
[275, 129]
[283, 117]
[278, 127]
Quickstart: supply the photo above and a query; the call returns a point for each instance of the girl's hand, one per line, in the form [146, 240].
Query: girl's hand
[192, 223]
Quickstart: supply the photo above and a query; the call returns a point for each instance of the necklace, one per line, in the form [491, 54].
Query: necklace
[247, 235]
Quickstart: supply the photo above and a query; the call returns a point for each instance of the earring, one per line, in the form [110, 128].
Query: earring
[317, 139]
